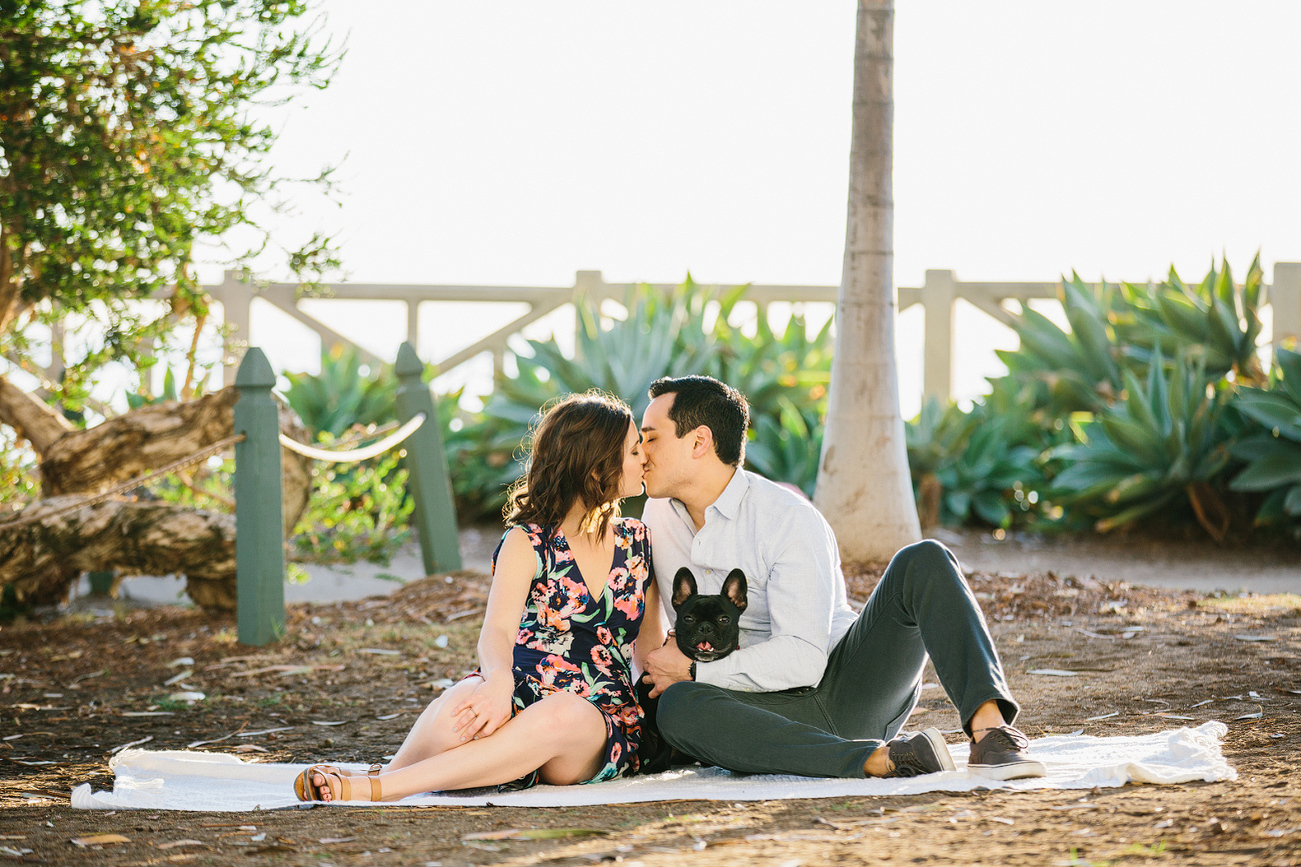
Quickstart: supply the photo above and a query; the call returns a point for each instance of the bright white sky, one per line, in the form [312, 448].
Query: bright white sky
[509, 142]
[519, 142]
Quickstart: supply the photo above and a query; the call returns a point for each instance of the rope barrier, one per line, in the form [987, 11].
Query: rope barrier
[355, 455]
[365, 435]
[344, 456]
[131, 484]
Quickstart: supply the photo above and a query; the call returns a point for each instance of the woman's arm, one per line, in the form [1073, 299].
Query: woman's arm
[489, 706]
[651, 635]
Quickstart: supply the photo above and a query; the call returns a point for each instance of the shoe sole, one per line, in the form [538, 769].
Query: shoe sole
[1011, 770]
[940, 747]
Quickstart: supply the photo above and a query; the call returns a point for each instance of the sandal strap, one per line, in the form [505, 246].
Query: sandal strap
[345, 788]
[375, 793]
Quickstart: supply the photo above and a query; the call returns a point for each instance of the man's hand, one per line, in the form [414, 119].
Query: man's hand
[667, 666]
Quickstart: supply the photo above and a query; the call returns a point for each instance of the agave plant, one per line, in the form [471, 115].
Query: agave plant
[786, 448]
[1068, 371]
[1217, 320]
[1161, 446]
[967, 465]
[1273, 456]
[341, 395]
[784, 374]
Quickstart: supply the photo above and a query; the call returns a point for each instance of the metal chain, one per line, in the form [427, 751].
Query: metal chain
[125, 486]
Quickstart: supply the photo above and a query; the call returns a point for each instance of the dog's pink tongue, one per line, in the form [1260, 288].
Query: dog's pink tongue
[704, 645]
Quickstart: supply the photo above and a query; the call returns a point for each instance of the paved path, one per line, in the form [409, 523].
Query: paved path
[1195, 565]
[1181, 564]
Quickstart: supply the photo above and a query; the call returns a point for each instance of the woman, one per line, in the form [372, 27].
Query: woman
[553, 696]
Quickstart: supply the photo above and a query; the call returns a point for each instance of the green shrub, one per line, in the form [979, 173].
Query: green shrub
[1160, 448]
[342, 395]
[361, 514]
[784, 374]
[968, 466]
[1273, 455]
[1215, 321]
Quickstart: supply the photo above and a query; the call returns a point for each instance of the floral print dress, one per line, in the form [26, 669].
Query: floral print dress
[572, 642]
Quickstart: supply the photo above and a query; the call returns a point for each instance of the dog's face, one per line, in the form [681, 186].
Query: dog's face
[708, 627]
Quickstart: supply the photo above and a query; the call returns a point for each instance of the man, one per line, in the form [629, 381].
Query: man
[813, 689]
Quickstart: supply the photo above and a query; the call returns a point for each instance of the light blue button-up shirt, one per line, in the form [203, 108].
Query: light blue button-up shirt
[797, 609]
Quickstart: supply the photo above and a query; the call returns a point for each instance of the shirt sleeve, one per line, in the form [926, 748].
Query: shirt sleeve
[801, 601]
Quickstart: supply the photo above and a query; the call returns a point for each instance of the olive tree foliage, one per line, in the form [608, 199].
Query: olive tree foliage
[133, 134]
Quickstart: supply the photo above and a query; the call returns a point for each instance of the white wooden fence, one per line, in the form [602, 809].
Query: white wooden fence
[937, 296]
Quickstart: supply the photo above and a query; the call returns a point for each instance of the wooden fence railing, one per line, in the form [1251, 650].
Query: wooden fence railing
[937, 296]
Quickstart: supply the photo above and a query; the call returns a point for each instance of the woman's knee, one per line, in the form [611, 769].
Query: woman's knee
[567, 716]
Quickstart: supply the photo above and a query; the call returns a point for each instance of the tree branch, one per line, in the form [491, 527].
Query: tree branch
[34, 421]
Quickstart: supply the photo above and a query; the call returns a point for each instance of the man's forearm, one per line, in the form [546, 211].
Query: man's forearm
[782, 662]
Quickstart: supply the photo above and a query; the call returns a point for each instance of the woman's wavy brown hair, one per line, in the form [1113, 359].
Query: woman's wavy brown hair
[576, 456]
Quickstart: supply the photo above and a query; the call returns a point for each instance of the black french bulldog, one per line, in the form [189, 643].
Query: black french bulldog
[707, 628]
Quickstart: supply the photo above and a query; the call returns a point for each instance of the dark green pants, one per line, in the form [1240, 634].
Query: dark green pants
[873, 679]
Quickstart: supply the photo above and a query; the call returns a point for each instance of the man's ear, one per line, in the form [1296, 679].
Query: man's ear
[684, 586]
[703, 443]
[735, 590]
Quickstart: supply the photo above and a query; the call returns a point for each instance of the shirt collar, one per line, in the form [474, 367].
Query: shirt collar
[728, 503]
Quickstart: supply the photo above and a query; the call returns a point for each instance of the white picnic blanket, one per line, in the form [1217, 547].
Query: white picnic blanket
[187, 780]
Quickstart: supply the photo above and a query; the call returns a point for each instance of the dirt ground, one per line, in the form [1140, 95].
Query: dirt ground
[72, 682]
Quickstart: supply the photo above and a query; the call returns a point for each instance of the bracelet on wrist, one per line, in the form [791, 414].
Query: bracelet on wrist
[692, 670]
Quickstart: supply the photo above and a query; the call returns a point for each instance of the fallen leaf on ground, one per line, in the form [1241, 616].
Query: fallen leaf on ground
[1256, 637]
[175, 843]
[132, 744]
[263, 732]
[1103, 716]
[99, 840]
[1054, 672]
[535, 834]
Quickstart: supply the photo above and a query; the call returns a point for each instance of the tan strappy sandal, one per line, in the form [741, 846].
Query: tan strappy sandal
[307, 791]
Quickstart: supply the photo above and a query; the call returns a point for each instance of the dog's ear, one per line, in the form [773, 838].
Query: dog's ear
[684, 586]
[734, 589]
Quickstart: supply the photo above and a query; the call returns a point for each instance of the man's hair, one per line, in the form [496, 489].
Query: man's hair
[703, 400]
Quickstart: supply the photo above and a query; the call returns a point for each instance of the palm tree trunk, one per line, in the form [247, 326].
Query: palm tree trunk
[863, 483]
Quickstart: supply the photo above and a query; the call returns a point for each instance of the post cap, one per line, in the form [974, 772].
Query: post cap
[255, 371]
[408, 363]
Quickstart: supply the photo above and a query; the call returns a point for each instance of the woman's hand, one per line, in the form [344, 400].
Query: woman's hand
[486, 709]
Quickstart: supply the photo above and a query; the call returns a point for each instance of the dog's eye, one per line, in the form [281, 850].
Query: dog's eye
[724, 620]
[688, 619]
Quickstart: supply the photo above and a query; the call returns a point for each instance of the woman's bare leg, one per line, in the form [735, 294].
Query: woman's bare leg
[432, 732]
[563, 736]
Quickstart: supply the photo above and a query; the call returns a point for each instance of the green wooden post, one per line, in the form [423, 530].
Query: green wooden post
[101, 582]
[435, 514]
[259, 520]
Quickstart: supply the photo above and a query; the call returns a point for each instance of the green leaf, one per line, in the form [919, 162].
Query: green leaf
[1272, 411]
[1267, 473]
